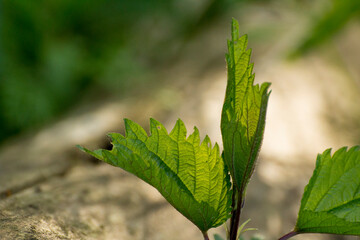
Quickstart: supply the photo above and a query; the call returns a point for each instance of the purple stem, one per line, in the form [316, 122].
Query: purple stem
[288, 235]
[235, 227]
[206, 237]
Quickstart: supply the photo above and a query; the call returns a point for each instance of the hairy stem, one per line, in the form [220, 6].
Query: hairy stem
[288, 235]
[233, 213]
[235, 219]
[206, 237]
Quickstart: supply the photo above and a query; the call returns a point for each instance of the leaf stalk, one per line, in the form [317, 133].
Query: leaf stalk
[235, 219]
[206, 236]
[288, 235]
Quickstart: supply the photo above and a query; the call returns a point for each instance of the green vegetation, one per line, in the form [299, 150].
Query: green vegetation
[242, 120]
[329, 24]
[331, 201]
[54, 53]
[195, 179]
[189, 174]
[57, 53]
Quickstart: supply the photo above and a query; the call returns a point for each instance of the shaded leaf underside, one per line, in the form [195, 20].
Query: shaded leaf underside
[189, 174]
[331, 200]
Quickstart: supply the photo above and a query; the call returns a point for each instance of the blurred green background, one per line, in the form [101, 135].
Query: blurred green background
[54, 54]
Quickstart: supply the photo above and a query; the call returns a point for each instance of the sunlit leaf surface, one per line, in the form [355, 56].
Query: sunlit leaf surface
[189, 174]
[331, 201]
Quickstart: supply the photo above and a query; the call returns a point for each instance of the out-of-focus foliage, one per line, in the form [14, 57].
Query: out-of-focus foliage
[327, 25]
[54, 51]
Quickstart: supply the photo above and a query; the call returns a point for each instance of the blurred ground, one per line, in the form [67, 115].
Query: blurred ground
[49, 190]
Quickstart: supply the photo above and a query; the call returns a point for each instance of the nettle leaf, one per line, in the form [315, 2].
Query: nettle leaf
[189, 174]
[244, 111]
[331, 201]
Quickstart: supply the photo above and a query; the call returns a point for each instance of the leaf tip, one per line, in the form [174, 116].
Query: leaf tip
[234, 22]
[234, 29]
[81, 148]
[180, 122]
[127, 123]
[156, 125]
[207, 142]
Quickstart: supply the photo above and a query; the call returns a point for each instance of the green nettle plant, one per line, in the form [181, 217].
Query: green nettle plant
[208, 187]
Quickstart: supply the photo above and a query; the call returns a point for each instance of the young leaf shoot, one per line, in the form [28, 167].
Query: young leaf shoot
[242, 119]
